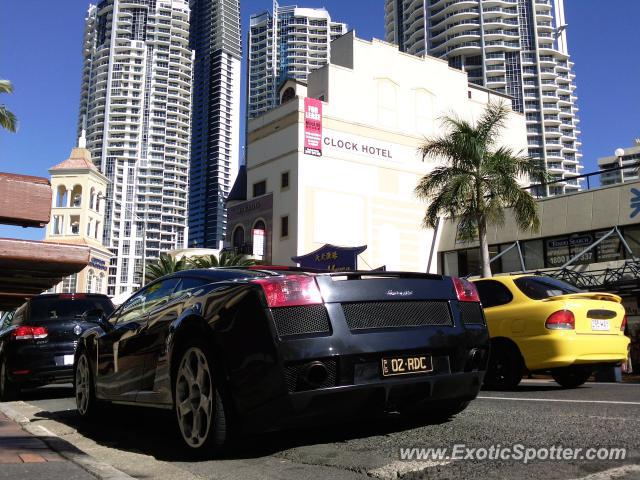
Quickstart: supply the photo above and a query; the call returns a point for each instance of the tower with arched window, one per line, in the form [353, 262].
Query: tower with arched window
[77, 217]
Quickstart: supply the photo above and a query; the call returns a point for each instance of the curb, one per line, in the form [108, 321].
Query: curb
[98, 469]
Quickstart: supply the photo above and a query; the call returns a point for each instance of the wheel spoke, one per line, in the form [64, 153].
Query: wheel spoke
[185, 407]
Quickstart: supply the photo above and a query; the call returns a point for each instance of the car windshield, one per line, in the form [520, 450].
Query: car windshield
[56, 308]
[540, 288]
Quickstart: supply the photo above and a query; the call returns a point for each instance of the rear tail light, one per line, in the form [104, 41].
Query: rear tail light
[290, 291]
[623, 325]
[561, 320]
[466, 291]
[29, 333]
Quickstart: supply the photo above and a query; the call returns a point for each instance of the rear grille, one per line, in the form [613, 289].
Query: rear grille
[309, 319]
[471, 313]
[361, 316]
[294, 376]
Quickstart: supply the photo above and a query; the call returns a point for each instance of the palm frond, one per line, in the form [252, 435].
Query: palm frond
[6, 86]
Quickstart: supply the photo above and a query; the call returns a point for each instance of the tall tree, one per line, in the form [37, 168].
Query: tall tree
[164, 265]
[478, 179]
[8, 120]
[225, 259]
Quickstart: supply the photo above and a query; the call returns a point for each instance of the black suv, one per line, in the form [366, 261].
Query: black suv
[37, 342]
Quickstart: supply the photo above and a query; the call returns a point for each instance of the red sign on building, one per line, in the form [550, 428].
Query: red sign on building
[313, 127]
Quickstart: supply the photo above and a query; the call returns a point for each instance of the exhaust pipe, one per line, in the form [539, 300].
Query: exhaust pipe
[474, 359]
[315, 374]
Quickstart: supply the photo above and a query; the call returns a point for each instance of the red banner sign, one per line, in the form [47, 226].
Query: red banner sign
[313, 127]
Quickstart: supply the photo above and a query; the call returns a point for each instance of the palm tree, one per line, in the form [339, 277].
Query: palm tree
[226, 259]
[164, 265]
[479, 179]
[8, 120]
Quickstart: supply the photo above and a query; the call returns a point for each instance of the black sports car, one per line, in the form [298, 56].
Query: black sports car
[254, 349]
[38, 340]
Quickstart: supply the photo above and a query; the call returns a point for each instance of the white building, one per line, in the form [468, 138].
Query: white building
[288, 43]
[215, 127]
[517, 47]
[623, 157]
[136, 106]
[355, 186]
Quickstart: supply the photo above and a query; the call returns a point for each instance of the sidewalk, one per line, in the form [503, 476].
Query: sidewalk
[26, 457]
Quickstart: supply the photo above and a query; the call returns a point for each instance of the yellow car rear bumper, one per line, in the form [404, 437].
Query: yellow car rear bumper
[563, 349]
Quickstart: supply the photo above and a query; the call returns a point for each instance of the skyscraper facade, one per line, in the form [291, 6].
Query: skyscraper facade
[216, 40]
[516, 47]
[135, 104]
[289, 42]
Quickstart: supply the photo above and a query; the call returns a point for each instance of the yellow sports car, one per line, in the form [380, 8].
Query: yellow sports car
[538, 323]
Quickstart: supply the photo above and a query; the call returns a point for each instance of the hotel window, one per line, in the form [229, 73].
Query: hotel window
[259, 188]
[284, 180]
[69, 283]
[284, 226]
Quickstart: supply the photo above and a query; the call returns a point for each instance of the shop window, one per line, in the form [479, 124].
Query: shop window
[259, 188]
[610, 249]
[632, 237]
[533, 252]
[469, 262]
[450, 263]
[511, 259]
[238, 237]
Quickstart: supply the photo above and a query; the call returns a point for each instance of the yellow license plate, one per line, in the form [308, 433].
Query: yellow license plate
[406, 365]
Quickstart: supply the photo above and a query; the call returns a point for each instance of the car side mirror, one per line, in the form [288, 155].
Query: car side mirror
[98, 317]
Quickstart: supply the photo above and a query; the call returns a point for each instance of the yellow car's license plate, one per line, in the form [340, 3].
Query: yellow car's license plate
[406, 365]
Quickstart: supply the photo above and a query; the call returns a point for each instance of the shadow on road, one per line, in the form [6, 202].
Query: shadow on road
[154, 432]
[47, 393]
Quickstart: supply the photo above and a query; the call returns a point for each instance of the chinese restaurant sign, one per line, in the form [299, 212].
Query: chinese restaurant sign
[313, 127]
[330, 257]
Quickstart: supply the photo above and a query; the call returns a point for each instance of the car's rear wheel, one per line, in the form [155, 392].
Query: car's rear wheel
[571, 377]
[8, 390]
[198, 403]
[86, 401]
[505, 368]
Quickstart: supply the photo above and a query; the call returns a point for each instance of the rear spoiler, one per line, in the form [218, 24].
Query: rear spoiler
[610, 297]
[350, 274]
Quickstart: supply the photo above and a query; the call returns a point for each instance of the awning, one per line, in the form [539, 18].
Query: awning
[27, 268]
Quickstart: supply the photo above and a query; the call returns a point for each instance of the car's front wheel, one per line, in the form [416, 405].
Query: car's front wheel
[84, 389]
[8, 390]
[198, 403]
[571, 377]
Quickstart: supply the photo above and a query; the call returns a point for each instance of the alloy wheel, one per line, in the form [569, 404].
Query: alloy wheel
[194, 397]
[82, 385]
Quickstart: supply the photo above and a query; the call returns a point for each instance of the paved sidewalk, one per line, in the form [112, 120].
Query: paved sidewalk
[27, 457]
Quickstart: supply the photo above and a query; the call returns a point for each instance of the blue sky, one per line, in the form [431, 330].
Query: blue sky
[40, 52]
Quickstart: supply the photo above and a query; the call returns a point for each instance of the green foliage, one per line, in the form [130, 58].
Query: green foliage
[226, 259]
[8, 120]
[164, 265]
[476, 180]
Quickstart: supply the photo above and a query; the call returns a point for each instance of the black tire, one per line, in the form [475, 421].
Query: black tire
[571, 377]
[202, 413]
[8, 390]
[505, 367]
[87, 404]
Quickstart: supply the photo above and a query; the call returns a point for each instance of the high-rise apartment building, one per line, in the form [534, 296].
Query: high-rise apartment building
[136, 104]
[287, 43]
[216, 40]
[627, 159]
[516, 47]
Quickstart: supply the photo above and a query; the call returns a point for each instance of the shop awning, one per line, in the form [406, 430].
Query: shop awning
[27, 268]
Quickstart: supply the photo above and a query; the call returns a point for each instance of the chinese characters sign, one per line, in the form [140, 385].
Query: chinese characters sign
[330, 257]
[313, 127]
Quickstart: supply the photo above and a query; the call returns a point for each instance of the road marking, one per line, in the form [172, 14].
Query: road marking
[559, 400]
[613, 473]
[397, 469]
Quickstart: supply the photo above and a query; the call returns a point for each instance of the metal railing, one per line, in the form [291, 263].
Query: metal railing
[586, 176]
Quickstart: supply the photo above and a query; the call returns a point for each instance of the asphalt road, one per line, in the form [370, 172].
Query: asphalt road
[144, 444]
